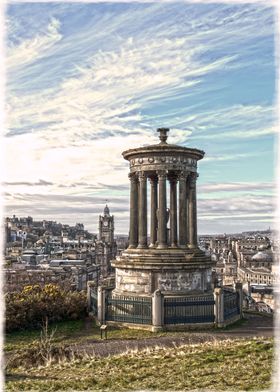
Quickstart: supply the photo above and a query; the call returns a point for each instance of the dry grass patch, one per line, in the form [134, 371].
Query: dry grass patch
[232, 365]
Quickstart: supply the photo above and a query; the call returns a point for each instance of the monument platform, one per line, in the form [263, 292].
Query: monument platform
[171, 270]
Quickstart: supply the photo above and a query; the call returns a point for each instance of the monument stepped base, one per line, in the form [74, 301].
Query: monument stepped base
[172, 271]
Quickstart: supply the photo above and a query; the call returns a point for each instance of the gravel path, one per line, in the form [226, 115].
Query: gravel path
[256, 326]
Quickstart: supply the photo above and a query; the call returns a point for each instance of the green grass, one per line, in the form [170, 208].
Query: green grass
[71, 332]
[235, 365]
[82, 331]
[64, 330]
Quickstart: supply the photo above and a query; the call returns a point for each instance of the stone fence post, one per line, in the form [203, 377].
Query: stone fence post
[239, 290]
[157, 311]
[90, 285]
[101, 304]
[219, 306]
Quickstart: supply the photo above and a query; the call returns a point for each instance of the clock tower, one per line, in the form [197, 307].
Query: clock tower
[106, 247]
[106, 226]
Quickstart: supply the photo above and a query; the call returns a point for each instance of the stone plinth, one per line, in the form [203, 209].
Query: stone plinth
[173, 271]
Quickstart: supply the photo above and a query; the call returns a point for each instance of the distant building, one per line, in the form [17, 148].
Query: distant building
[106, 247]
[46, 251]
[246, 258]
[75, 273]
[106, 226]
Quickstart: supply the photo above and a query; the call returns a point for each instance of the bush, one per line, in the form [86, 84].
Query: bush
[30, 307]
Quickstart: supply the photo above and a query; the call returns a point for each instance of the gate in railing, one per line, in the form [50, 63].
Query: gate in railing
[187, 310]
[231, 304]
[137, 310]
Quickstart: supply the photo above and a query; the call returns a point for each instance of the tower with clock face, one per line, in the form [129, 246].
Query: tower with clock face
[106, 226]
[106, 247]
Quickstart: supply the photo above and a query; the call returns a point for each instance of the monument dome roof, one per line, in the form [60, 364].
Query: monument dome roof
[163, 147]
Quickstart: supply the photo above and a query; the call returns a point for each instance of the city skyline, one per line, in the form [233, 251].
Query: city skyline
[87, 81]
[126, 233]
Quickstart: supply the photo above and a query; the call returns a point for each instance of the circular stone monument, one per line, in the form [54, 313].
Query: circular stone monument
[168, 259]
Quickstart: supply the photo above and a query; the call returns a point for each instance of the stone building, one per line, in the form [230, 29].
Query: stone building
[258, 269]
[105, 246]
[225, 267]
[75, 272]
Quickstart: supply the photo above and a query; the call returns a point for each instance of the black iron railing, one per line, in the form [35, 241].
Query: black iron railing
[137, 310]
[187, 310]
[231, 304]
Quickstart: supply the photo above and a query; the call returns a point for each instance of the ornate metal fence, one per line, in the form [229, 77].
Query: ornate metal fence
[137, 310]
[231, 304]
[187, 310]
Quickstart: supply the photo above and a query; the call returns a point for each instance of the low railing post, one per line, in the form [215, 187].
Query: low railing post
[157, 311]
[239, 290]
[90, 286]
[219, 306]
[88, 297]
[101, 304]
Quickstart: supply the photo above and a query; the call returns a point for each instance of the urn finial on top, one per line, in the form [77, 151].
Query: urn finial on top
[163, 134]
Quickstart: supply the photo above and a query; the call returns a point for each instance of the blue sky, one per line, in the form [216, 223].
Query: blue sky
[87, 81]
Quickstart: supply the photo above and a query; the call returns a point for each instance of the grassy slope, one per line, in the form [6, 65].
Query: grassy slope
[80, 331]
[72, 332]
[235, 365]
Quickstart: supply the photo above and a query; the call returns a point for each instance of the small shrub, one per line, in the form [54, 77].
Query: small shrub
[30, 307]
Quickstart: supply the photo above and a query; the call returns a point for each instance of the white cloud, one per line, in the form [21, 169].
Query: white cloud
[228, 157]
[82, 127]
[34, 48]
[251, 209]
[232, 122]
[240, 134]
[236, 186]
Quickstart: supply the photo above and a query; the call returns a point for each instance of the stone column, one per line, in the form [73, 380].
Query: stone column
[142, 239]
[173, 211]
[162, 213]
[187, 210]
[154, 206]
[157, 310]
[133, 226]
[192, 212]
[182, 209]
[219, 306]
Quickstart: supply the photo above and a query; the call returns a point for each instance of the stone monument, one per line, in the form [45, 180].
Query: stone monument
[166, 259]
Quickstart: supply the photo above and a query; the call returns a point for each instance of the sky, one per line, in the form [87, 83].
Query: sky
[88, 81]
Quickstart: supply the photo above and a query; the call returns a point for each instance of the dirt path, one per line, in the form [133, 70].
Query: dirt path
[255, 326]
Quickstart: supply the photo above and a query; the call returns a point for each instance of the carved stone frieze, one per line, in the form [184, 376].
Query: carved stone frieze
[169, 162]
